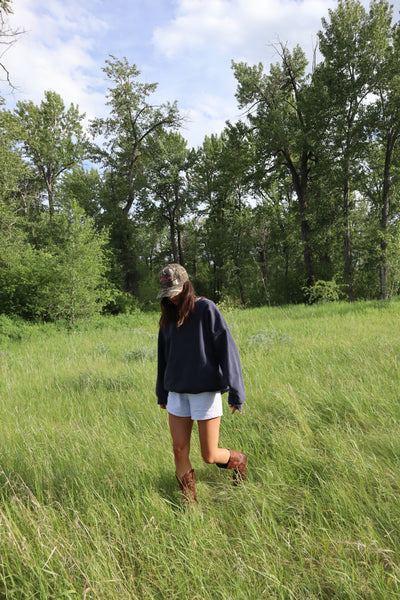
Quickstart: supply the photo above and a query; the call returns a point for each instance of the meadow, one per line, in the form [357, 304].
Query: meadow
[89, 505]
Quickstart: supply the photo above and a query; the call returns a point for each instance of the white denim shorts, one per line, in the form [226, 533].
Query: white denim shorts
[199, 407]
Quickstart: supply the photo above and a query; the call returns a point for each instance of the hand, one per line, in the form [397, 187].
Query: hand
[163, 406]
[234, 408]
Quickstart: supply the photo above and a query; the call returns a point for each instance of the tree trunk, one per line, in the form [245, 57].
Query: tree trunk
[307, 252]
[128, 256]
[131, 274]
[262, 253]
[172, 238]
[50, 196]
[218, 282]
[195, 265]
[390, 143]
[180, 245]
[131, 181]
[300, 183]
[348, 267]
[241, 292]
[178, 227]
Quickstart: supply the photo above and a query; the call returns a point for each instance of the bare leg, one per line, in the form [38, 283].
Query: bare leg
[181, 430]
[209, 438]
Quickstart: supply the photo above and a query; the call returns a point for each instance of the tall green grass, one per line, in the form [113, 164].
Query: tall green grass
[89, 506]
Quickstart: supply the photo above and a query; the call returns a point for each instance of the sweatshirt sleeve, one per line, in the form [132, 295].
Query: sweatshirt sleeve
[162, 394]
[229, 361]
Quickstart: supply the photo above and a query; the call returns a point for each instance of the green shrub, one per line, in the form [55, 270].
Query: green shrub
[324, 291]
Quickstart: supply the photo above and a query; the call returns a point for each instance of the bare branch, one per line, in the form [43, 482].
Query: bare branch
[8, 36]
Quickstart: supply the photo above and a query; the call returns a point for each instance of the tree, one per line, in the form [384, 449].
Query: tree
[12, 167]
[279, 112]
[84, 187]
[63, 276]
[52, 139]
[132, 120]
[78, 286]
[385, 119]
[346, 79]
[219, 182]
[169, 200]
[209, 185]
[131, 123]
[278, 255]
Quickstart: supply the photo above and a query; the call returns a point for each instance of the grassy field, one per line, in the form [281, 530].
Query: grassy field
[89, 507]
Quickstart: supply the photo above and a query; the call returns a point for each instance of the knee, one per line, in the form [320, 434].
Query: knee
[208, 457]
[180, 449]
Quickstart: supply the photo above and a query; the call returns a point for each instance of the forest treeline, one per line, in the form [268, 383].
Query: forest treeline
[297, 201]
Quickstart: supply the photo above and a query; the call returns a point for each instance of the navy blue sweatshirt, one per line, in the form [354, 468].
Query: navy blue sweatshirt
[199, 356]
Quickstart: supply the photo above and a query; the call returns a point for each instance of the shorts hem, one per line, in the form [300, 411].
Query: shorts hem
[198, 407]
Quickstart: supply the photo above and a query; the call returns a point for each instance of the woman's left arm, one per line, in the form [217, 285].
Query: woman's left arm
[229, 360]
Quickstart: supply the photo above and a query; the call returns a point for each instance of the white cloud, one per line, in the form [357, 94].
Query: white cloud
[197, 23]
[54, 53]
[238, 26]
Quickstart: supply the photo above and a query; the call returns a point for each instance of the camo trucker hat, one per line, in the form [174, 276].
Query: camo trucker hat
[172, 277]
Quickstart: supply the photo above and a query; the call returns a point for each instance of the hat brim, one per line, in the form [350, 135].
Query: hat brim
[169, 292]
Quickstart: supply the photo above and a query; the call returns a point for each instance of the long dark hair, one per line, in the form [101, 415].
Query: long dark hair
[178, 313]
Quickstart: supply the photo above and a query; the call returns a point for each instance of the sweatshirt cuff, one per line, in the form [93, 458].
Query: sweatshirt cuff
[235, 401]
[162, 399]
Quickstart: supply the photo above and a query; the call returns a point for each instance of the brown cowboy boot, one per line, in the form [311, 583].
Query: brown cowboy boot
[188, 488]
[238, 462]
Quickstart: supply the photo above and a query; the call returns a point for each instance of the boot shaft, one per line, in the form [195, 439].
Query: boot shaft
[238, 462]
[188, 487]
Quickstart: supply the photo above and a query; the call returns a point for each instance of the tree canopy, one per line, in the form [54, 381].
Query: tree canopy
[297, 201]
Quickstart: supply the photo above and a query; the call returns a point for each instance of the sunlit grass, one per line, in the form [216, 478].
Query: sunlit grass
[89, 505]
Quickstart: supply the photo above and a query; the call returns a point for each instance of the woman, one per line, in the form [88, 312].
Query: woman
[197, 362]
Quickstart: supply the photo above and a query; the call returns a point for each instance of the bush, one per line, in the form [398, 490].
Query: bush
[64, 278]
[11, 329]
[122, 302]
[324, 291]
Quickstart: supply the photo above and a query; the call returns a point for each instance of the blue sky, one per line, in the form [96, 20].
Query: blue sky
[186, 46]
